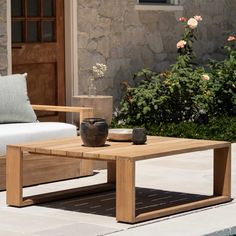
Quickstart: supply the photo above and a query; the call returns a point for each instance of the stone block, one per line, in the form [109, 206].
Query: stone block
[103, 46]
[3, 9]
[92, 46]
[88, 59]
[83, 39]
[155, 42]
[111, 9]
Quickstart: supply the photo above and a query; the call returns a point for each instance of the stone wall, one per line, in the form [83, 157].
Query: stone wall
[115, 33]
[3, 37]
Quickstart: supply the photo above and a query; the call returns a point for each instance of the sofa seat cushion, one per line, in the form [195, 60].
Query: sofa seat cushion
[25, 132]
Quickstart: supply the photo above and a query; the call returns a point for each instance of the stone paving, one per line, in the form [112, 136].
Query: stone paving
[190, 174]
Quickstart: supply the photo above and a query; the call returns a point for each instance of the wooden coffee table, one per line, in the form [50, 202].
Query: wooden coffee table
[121, 158]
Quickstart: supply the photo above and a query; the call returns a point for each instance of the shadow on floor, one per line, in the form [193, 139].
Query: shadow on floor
[104, 203]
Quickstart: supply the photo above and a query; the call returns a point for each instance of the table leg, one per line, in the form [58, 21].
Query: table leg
[14, 180]
[14, 185]
[125, 190]
[111, 172]
[222, 171]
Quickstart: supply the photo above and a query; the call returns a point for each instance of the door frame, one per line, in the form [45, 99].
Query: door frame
[71, 46]
[71, 58]
[9, 53]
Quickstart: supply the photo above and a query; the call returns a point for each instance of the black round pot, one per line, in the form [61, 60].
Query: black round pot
[93, 132]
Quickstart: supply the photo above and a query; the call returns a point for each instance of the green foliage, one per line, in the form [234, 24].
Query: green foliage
[169, 97]
[186, 54]
[223, 82]
[218, 128]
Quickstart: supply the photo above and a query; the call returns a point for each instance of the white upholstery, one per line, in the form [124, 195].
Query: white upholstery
[25, 132]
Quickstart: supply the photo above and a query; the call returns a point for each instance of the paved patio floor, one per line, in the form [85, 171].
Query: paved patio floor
[178, 175]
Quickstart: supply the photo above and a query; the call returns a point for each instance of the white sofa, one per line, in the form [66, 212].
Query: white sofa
[42, 169]
[18, 124]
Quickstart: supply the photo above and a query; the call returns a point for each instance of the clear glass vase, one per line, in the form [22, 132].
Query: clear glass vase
[92, 88]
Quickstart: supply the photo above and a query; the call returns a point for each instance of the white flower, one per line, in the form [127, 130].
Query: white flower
[181, 44]
[231, 38]
[205, 77]
[192, 23]
[99, 69]
[198, 18]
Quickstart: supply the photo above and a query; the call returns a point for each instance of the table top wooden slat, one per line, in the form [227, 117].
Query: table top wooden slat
[155, 147]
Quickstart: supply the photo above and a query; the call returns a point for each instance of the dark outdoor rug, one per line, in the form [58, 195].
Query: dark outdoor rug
[104, 203]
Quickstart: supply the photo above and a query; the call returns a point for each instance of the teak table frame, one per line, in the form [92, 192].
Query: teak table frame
[121, 157]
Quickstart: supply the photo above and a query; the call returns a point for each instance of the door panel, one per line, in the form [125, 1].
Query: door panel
[38, 49]
[42, 86]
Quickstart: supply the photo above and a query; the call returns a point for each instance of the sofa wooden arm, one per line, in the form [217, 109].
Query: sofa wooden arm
[85, 112]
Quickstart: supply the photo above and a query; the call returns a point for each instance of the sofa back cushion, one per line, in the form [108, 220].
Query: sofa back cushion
[14, 102]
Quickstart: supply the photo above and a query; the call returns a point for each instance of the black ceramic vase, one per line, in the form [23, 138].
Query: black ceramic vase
[93, 132]
[139, 136]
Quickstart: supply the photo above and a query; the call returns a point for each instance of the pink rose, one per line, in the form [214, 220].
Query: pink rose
[231, 38]
[198, 18]
[181, 44]
[182, 19]
[205, 77]
[192, 23]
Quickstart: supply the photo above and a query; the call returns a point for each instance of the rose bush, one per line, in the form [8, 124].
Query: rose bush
[184, 93]
[223, 83]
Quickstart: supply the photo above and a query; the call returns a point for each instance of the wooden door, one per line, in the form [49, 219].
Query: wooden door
[38, 49]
